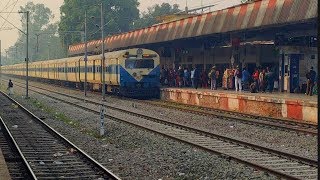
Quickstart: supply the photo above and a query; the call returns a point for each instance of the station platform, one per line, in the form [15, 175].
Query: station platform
[299, 107]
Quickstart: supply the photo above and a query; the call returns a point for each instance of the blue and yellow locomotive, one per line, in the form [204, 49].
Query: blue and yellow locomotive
[132, 72]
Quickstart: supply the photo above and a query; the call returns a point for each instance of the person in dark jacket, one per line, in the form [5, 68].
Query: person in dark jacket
[204, 79]
[245, 78]
[253, 87]
[213, 78]
[270, 80]
[196, 77]
[10, 87]
[180, 76]
[311, 76]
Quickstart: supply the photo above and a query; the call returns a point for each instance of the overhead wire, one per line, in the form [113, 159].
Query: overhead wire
[12, 24]
[6, 28]
[5, 7]
[14, 5]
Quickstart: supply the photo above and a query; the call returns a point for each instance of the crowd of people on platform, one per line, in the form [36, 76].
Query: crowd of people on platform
[263, 79]
[185, 77]
[181, 77]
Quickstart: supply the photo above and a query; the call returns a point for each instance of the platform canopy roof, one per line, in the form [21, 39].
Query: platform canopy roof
[259, 14]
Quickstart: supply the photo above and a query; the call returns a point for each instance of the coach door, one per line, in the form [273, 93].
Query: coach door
[48, 71]
[94, 70]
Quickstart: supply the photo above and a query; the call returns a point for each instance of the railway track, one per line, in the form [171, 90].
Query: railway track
[287, 125]
[299, 127]
[281, 164]
[48, 154]
[15, 161]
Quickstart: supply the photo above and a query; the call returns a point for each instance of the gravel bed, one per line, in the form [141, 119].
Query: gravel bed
[290, 142]
[133, 153]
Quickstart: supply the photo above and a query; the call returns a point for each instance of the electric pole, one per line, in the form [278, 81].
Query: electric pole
[103, 57]
[16, 53]
[102, 109]
[48, 50]
[27, 57]
[85, 54]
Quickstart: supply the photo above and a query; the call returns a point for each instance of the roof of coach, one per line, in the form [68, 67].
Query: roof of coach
[109, 55]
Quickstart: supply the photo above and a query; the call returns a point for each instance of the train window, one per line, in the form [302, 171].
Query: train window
[139, 63]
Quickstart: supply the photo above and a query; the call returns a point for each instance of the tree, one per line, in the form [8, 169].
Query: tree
[39, 18]
[149, 18]
[117, 16]
[49, 44]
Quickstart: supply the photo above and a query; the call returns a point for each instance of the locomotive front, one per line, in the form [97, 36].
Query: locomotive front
[140, 74]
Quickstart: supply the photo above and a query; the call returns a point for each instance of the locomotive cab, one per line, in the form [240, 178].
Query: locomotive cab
[140, 74]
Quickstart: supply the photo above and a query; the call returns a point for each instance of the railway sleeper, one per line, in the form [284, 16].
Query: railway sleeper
[73, 177]
[85, 168]
[299, 171]
[49, 173]
[284, 162]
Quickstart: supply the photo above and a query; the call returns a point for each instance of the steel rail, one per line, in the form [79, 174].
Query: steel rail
[303, 160]
[161, 120]
[24, 160]
[65, 140]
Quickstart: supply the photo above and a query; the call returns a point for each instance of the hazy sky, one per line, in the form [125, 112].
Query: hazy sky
[8, 37]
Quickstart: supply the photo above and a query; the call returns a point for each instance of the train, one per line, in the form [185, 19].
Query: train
[133, 73]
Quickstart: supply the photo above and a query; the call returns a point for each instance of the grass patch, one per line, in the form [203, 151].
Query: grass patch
[64, 118]
[57, 115]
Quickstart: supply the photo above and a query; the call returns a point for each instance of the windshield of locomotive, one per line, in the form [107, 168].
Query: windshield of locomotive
[139, 63]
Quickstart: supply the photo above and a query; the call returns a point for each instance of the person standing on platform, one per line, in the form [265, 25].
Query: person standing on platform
[262, 80]
[180, 76]
[237, 80]
[188, 77]
[185, 77]
[204, 79]
[10, 87]
[311, 76]
[192, 77]
[213, 78]
[255, 77]
[270, 80]
[217, 77]
[171, 77]
[162, 76]
[166, 76]
[176, 77]
[245, 78]
[196, 77]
